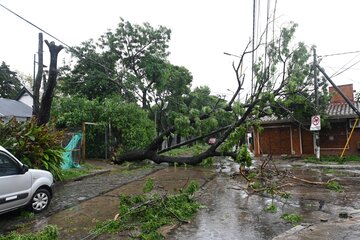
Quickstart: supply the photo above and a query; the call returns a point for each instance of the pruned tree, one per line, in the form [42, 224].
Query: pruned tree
[41, 108]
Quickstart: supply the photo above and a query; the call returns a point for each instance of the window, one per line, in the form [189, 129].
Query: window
[7, 166]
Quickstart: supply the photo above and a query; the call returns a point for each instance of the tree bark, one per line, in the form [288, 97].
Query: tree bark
[47, 97]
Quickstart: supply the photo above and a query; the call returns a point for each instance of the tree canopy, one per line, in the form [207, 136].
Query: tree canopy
[131, 61]
[10, 84]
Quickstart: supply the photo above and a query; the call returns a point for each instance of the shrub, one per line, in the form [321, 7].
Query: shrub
[36, 146]
[130, 125]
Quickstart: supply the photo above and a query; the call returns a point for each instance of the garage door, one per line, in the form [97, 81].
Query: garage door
[275, 141]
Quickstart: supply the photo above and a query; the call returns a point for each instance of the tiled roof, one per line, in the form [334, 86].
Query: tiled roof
[342, 110]
[274, 119]
[13, 108]
[334, 111]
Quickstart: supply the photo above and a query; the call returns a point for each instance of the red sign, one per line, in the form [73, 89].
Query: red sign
[315, 123]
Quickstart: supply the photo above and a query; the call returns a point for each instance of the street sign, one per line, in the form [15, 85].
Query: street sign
[315, 123]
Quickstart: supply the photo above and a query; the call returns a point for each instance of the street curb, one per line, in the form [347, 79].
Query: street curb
[84, 177]
[292, 231]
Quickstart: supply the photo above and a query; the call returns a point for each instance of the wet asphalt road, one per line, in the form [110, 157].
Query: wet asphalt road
[230, 212]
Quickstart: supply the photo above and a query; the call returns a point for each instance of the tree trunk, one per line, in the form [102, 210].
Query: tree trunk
[46, 101]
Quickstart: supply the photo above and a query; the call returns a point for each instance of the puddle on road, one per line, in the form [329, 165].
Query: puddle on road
[232, 213]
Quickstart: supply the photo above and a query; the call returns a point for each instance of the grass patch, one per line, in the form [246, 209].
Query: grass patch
[332, 159]
[334, 186]
[73, 173]
[24, 214]
[187, 151]
[50, 232]
[144, 214]
[292, 218]
[191, 151]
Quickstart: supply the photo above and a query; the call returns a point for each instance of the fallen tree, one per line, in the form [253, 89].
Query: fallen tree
[281, 74]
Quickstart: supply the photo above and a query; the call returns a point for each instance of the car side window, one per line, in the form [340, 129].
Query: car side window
[7, 166]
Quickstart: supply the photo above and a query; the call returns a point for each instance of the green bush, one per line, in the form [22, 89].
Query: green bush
[130, 124]
[36, 146]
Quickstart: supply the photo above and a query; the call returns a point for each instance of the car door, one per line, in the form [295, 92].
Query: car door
[14, 185]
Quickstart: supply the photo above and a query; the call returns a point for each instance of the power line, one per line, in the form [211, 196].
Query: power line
[337, 54]
[334, 68]
[344, 66]
[71, 49]
[32, 24]
[337, 74]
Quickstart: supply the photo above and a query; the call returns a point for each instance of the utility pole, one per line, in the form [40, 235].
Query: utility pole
[316, 133]
[38, 78]
[253, 49]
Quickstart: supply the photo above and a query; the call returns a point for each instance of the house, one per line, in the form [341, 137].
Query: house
[25, 95]
[285, 137]
[11, 108]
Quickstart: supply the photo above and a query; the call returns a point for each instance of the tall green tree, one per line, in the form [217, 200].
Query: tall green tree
[91, 74]
[10, 84]
[130, 60]
[140, 51]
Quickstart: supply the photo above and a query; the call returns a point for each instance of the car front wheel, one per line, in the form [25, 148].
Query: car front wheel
[40, 200]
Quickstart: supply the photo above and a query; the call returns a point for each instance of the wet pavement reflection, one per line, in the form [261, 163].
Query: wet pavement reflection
[230, 211]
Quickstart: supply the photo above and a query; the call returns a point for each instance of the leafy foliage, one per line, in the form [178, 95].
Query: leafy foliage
[89, 79]
[290, 62]
[147, 213]
[50, 232]
[130, 124]
[244, 157]
[10, 84]
[130, 61]
[36, 146]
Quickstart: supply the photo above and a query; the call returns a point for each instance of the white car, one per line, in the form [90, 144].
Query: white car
[21, 186]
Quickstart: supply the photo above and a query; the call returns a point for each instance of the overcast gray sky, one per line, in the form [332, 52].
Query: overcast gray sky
[201, 31]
